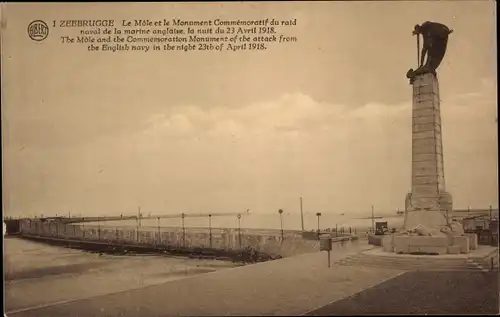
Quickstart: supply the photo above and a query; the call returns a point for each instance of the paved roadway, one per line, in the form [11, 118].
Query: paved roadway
[290, 286]
[423, 293]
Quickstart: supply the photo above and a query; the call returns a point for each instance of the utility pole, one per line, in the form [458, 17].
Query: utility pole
[301, 214]
[139, 215]
[373, 219]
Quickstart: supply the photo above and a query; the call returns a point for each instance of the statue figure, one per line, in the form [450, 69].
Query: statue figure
[435, 36]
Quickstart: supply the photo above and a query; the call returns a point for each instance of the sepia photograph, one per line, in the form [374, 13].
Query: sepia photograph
[267, 158]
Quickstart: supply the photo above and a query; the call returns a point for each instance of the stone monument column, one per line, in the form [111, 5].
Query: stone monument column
[428, 203]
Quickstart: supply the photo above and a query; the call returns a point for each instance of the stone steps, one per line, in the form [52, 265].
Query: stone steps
[489, 261]
[414, 263]
[410, 264]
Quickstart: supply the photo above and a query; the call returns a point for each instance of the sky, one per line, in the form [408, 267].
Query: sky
[327, 118]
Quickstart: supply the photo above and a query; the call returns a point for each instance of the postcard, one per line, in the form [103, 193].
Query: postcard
[249, 158]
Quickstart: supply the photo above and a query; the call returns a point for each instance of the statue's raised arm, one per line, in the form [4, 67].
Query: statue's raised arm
[435, 36]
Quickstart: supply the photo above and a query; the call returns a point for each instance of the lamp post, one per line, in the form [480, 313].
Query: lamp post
[239, 229]
[491, 226]
[318, 214]
[210, 228]
[301, 215]
[491, 215]
[159, 232]
[137, 228]
[281, 222]
[183, 230]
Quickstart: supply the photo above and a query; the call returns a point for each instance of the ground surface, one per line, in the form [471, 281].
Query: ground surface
[423, 293]
[290, 286]
[53, 281]
[38, 274]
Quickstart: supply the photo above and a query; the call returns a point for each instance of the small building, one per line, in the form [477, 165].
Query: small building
[12, 226]
[475, 223]
[485, 228]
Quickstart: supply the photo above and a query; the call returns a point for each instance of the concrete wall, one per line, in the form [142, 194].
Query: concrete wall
[220, 239]
[375, 240]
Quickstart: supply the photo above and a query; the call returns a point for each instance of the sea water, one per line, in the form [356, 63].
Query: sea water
[261, 221]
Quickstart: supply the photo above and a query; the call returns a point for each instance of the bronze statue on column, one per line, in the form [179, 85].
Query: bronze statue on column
[435, 36]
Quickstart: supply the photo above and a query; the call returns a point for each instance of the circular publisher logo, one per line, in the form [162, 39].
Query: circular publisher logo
[38, 30]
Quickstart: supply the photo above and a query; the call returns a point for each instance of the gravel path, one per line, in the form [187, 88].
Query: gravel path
[423, 293]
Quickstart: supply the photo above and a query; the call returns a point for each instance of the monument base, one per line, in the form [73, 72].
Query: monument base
[476, 260]
[432, 220]
[450, 242]
[428, 232]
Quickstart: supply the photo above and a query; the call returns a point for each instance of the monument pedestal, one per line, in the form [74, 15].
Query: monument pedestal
[432, 220]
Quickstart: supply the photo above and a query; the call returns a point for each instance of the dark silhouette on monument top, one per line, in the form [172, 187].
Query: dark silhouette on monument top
[435, 36]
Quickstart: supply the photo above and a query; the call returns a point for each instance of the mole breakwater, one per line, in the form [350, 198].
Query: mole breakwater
[237, 245]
